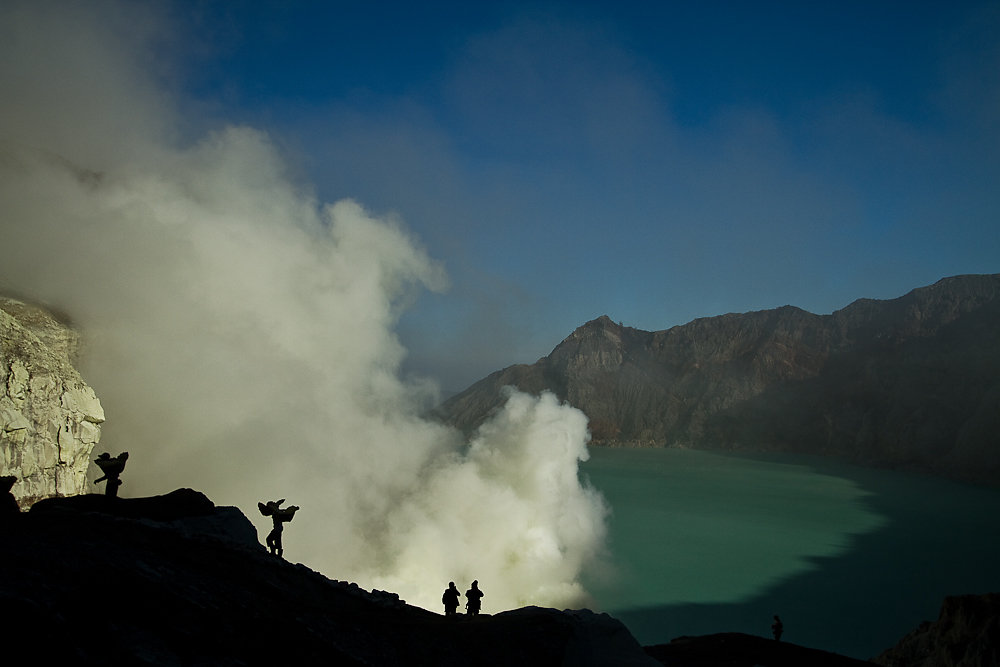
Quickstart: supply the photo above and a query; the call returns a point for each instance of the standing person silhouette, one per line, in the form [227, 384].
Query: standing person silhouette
[450, 599]
[474, 597]
[777, 628]
[279, 515]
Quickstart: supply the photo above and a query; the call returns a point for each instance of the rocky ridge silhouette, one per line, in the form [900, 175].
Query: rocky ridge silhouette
[176, 580]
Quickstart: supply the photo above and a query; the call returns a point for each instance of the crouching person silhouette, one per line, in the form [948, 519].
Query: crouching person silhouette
[474, 597]
[112, 468]
[279, 515]
[450, 599]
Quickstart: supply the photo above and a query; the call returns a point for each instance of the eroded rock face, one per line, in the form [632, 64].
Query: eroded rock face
[50, 419]
[966, 634]
[908, 383]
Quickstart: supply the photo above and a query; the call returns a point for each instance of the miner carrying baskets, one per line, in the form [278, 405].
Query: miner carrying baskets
[279, 515]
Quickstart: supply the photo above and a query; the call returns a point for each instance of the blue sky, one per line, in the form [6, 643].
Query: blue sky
[655, 162]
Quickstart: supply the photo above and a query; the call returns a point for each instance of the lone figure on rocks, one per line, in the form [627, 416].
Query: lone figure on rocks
[777, 628]
[112, 468]
[279, 515]
[8, 503]
[473, 597]
[450, 599]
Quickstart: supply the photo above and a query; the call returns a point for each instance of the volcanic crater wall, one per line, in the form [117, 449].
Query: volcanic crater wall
[910, 383]
[50, 419]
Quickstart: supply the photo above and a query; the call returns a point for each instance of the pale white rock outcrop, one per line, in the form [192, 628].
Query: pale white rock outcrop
[50, 419]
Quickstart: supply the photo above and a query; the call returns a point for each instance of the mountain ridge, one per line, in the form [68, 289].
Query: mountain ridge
[907, 383]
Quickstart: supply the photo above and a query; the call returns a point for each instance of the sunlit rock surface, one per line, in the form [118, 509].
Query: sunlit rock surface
[174, 580]
[911, 383]
[50, 419]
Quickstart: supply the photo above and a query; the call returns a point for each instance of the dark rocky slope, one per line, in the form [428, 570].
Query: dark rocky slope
[910, 383]
[734, 649]
[174, 580]
[966, 634]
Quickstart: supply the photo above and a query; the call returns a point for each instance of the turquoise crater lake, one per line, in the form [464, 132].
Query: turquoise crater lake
[851, 558]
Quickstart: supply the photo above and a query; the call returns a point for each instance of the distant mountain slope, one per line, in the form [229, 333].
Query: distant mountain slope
[910, 383]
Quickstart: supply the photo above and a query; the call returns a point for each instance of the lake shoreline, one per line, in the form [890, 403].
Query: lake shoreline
[852, 558]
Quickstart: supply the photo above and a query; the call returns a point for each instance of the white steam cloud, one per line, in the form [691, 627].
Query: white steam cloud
[240, 335]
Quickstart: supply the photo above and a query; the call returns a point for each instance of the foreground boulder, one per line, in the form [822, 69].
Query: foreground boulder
[175, 580]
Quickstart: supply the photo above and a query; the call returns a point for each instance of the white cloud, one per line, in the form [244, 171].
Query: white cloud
[241, 338]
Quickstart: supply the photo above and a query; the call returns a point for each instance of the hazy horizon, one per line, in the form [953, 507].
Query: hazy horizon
[564, 160]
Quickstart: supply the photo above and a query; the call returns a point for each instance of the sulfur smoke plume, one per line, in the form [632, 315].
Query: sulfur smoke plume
[241, 338]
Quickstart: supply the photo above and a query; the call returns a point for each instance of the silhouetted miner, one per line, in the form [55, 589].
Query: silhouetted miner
[473, 597]
[450, 599]
[777, 628]
[112, 468]
[279, 515]
[8, 503]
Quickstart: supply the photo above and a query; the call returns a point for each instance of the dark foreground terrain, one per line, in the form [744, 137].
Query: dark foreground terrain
[175, 580]
[734, 649]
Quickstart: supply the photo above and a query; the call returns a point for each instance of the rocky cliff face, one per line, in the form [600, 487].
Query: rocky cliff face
[966, 634]
[911, 383]
[49, 418]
